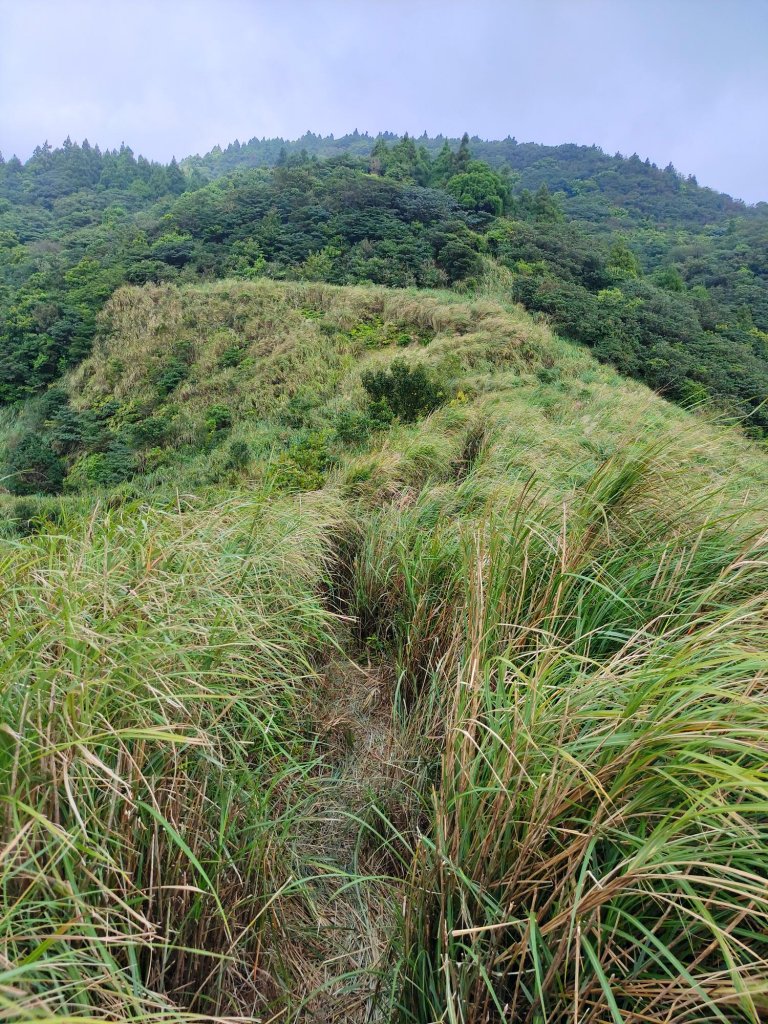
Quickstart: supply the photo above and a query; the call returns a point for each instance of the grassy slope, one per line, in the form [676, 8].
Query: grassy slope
[478, 724]
[285, 360]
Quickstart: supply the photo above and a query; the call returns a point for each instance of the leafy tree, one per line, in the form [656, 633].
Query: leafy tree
[479, 189]
[463, 157]
[669, 278]
[544, 206]
[218, 418]
[622, 262]
[443, 166]
[173, 248]
[176, 181]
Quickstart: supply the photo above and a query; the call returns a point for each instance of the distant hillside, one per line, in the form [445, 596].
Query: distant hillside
[664, 279]
[581, 173]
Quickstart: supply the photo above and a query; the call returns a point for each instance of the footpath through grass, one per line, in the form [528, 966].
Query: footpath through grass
[471, 728]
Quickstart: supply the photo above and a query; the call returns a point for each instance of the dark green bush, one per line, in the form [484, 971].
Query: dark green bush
[239, 455]
[352, 426]
[102, 469]
[232, 356]
[302, 467]
[154, 430]
[170, 375]
[379, 413]
[218, 418]
[459, 260]
[409, 392]
[297, 412]
[33, 467]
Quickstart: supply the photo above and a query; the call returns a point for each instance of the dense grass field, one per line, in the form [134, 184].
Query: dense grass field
[318, 715]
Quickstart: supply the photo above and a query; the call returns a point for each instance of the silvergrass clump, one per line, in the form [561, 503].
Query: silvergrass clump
[599, 837]
[152, 758]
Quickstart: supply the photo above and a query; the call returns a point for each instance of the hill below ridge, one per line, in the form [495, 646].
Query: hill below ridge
[410, 635]
[195, 385]
[663, 279]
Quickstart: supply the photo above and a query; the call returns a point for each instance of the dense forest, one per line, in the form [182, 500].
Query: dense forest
[664, 279]
[637, 187]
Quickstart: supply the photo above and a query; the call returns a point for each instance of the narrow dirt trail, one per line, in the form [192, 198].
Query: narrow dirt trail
[364, 765]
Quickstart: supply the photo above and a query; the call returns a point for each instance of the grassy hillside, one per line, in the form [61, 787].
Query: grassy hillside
[235, 380]
[364, 693]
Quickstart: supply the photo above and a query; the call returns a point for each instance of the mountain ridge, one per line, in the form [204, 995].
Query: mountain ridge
[672, 298]
[265, 151]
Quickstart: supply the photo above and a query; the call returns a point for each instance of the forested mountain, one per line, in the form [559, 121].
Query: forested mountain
[638, 186]
[664, 279]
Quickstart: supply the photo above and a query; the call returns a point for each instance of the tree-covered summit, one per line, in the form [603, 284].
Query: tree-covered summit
[582, 173]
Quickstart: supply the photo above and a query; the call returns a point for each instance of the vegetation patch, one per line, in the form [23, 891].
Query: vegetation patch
[406, 391]
[356, 684]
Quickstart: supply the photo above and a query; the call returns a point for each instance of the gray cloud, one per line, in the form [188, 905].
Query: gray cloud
[679, 80]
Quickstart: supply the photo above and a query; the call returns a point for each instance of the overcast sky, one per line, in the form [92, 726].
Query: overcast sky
[679, 80]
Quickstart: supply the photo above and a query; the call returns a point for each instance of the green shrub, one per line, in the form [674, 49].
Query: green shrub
[102, 469]
[174, 249]
[33, 467]
[218, 418]
[232, 356]
[239, 455]
[71, 429]
[302, 467]
[297, 411]
[352, 426]
[375, 333]
[380, 414]
[459, 260]
[151, 459]
[152, 431]
[170, 375]
[409, 392]
[370, 332]
[692, 393]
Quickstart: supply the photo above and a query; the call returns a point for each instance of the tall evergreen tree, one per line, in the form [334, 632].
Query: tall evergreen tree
[463, 155]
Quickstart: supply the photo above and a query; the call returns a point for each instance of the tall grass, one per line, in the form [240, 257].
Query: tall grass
[475, 733]
[152, 757]
[599, 834]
